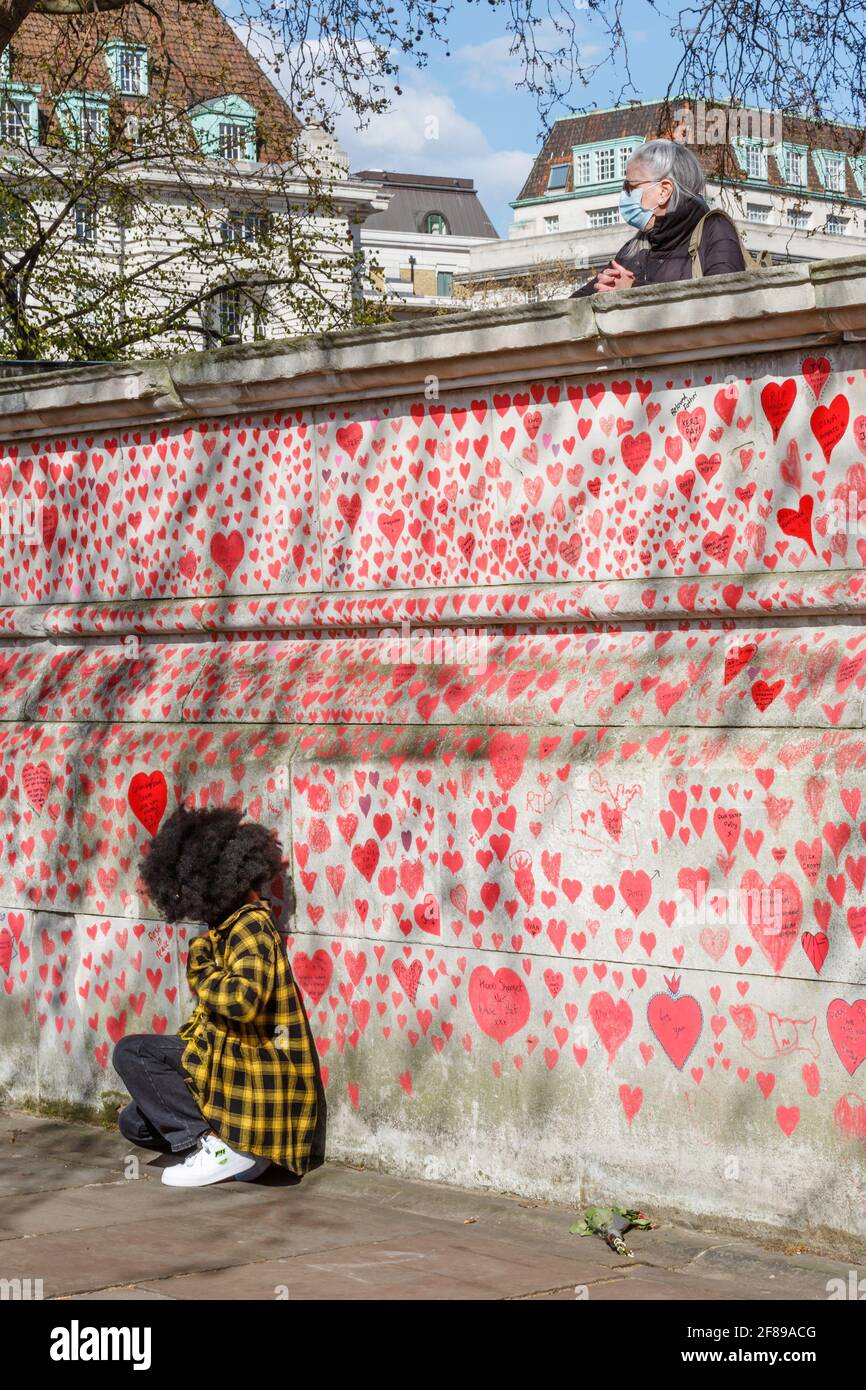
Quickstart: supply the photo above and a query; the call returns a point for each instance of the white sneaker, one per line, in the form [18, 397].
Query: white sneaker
[211, 1161]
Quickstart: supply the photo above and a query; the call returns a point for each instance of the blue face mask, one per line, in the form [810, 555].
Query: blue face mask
[632, 210]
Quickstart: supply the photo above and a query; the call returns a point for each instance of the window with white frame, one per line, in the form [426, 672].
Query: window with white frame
[232, 140]
[229, 312]
[624, 154]
[605, 165]
[795, 167]
[14, 121]
[85, 223]
[235, 314]
[5, 65]
[131, 70]
[127, 66]
[225, 128]
[756, 161]
[92, 122]
[757, 212]
[834, 173]
[836, 226]
[798, 219]
[558, 176]
[582, 174]
[551, 224]
[604, 217]
[248, 227]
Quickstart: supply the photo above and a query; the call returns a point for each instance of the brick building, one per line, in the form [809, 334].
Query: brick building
[202, 151]
[797, 189]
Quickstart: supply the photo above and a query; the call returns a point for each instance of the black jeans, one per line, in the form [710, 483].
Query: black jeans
[162, 1113]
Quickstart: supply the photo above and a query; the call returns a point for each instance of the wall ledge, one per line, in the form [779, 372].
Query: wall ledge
[822, 302]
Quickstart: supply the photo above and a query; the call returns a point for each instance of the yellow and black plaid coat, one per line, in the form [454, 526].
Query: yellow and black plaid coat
[249, 1059]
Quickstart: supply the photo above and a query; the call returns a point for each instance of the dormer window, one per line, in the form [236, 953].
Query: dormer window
[598, 165]
[830, 166]
[836, 174]
[225, 128]
[14, 121]
[93, 123]
[751, 155]
[435, 224]
[19, 114]
[84, 117]
[795, 167]
[858, 169]
[127, 66]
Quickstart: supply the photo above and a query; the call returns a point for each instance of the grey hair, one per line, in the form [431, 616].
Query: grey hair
[669, 159]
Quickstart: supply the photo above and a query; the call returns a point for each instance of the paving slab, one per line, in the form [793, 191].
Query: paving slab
[60, 1138]
[109, 1203]
[804, 1276]
[429, 1264]
[642, 1284]
[70, 1217]
[26, 1175]
[273, 1282]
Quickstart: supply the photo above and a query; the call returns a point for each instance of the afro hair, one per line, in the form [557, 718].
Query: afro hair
[202, 864]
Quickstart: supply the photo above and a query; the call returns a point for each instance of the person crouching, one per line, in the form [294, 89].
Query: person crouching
[235, 1089]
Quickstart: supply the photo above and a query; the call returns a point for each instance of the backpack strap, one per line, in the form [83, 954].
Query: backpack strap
[749, 260]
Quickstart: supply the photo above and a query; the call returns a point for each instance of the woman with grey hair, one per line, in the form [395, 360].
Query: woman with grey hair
[663, 197]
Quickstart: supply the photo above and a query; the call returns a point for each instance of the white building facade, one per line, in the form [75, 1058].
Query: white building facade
[425, 240]
[189, 201]
[796, 190]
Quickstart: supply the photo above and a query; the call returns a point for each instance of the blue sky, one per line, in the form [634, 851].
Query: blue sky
[487, 130]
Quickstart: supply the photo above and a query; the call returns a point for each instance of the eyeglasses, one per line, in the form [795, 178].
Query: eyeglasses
[627, 187]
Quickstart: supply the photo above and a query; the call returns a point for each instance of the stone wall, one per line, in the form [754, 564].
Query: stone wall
[539, 637]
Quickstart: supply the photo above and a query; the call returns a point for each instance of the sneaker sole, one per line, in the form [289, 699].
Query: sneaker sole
[261, 1166]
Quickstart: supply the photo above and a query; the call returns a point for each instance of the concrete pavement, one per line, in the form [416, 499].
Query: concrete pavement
[84, 1212]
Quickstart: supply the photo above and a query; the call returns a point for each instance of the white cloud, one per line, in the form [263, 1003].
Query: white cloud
[491, 66]
[400, 140]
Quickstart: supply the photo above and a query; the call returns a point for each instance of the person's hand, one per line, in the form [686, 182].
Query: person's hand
[200, 954]
[614, 277]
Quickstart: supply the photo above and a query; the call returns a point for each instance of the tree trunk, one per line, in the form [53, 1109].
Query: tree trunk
[12, 15]
[14, 12]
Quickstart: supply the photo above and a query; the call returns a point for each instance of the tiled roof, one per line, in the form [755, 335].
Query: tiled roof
[414, 195]
[194, 55]
[648, 121]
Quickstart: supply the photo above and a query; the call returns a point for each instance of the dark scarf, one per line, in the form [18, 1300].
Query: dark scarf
[665, 235]
[676, 227]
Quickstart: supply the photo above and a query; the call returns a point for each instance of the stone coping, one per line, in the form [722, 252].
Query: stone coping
[760, 311]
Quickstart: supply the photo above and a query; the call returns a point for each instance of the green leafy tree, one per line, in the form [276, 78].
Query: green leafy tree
[124, 232]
